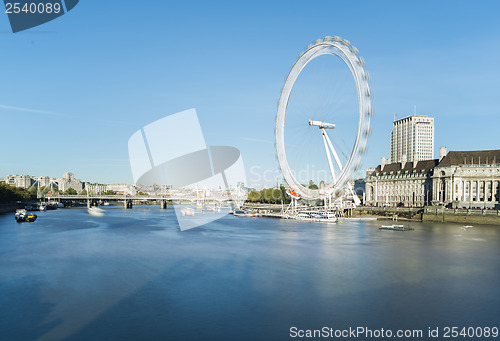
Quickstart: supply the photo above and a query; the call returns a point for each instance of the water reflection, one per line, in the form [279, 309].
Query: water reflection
[133, 275]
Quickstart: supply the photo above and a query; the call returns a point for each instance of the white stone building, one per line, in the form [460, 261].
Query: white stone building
[68, 181]
[23, 181]
[412, 139]
[94, 188]
[468, 179]
[461, 179]
[122, 189]
[405, 184]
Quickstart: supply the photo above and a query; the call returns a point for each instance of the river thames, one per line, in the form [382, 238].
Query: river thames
[133, 275]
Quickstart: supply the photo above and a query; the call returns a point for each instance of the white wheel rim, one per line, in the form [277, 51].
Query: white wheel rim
[340, 48]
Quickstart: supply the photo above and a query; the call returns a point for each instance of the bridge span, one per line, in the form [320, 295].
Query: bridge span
[129, 200]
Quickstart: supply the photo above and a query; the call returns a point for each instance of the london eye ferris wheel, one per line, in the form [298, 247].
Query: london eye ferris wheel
[340, 170]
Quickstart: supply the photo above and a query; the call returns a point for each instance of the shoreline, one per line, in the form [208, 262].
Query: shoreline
[431, 214]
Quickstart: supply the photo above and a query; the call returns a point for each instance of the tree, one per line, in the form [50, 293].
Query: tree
[254, 196]
[70, 191]
[84, 192]
[9, 193]
[312, 185]
[33, 190]
[110, 192]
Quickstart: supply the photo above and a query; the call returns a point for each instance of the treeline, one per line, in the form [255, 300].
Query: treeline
[10, 194]
[269, 196]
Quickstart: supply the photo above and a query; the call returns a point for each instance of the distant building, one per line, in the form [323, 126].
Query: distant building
[122, 189]
[412, 139]
[468, 179]
[94, 188]
[43, 181]
[68, 181]
[401, 184]
[23, 181]
[461, 179]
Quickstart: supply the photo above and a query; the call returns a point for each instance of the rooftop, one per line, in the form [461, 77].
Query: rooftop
[475, 157]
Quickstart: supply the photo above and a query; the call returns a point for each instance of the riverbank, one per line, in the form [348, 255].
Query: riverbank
[431, 214]
[8, 207]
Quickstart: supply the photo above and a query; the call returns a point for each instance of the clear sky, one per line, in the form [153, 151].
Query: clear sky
[75, 89]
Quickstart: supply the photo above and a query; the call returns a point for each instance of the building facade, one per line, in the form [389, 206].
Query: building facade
[412, 139]
[94, 188]
[405, 184]
[68, 181]
[23, 181]
[468, 179]
[459, 179]
[122, 189]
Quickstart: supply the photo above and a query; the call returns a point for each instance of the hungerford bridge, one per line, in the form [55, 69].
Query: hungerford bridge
[128, 200]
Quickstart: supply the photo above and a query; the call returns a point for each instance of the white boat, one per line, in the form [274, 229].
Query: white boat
[96, 211]
[318, 217]
[245, 213]
[42, 207]
[396, 227]
[22, 215]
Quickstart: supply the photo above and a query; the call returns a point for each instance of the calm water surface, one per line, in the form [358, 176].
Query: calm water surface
[132, 275]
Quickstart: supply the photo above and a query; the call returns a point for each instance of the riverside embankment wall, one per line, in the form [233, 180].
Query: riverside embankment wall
[432, 214]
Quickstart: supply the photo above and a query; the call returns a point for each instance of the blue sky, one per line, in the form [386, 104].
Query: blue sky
[75, 89]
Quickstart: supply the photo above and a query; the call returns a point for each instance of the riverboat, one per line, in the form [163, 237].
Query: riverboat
[25, 216]
[96, 211]
[318, 217]
[245, 213]
[396, 227]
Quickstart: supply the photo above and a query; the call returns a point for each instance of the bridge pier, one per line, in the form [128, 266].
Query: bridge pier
[163, 204]
[127, 204]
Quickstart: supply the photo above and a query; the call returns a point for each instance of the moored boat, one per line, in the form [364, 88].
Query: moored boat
[51, 206]
[245, 213]
[396, 227]
[316, 216]
[25, 216]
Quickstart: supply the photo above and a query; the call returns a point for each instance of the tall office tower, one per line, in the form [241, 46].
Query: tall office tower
[412, 139]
